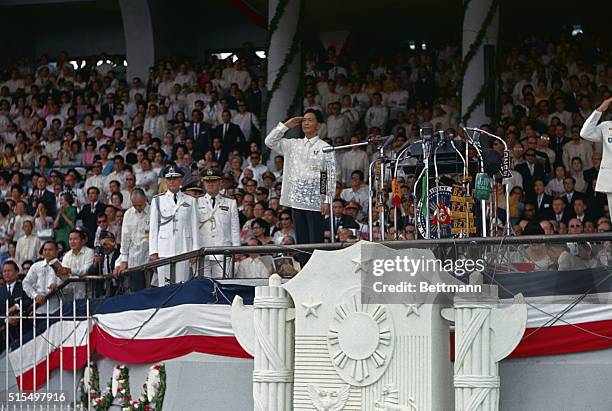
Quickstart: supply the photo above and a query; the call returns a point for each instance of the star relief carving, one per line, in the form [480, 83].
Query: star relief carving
[413, 309]
[311, 308]
[358, 264]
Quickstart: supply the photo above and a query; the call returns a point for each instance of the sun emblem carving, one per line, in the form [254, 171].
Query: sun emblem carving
[360, 341]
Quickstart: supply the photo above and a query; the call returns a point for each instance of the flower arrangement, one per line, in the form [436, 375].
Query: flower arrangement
[118, 388]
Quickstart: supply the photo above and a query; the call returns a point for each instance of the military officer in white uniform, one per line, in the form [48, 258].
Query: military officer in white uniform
[173, 227]
[218, 223]
[601, 134]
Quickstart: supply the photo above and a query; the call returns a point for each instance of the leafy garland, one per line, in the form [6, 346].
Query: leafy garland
[102, 401]
[293, 49]
[470, 55]
[273, 26]
[477, 101]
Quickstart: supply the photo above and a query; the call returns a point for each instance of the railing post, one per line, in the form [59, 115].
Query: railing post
[34, 344]
[61, 347]
[87, 333]
[6, 350]
[172, 273]
[74, 338]
[48, 350]
[21, 345]
[225, 266]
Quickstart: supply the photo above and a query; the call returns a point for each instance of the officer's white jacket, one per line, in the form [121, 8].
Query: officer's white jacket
[600, 134]
[218, 225]
[173, 227]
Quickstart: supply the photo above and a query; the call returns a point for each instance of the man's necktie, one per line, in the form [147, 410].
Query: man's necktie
[212, 200]
[224, 129]
[108, 264]
[175, 198]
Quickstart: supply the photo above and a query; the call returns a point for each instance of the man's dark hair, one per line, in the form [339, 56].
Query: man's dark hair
[570, 178]
[273, 211]
[316, 113]
[13, 263]
[42, 247]
[359, 173]
[80, 232]
[340, 200]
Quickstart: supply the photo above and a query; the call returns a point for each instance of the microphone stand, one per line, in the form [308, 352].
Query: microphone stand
[505, 180]
[381, 187]
[483, 203]
[370, 202]
[401, 152]
[463, 233]
[441, 142]
[426, 153]
[330, 195]
[426, 144]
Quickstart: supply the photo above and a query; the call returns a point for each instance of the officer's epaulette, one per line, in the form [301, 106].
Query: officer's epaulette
[158, 194]
[226, 196]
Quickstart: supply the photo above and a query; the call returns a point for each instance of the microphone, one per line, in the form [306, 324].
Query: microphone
[476, 137]
[388, 141]
[442, 138]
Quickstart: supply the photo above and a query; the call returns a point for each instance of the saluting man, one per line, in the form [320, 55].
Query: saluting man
[173, 227]
[218, 222]
[601, 134]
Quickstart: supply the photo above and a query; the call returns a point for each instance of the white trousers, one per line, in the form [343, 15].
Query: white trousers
[212, 266]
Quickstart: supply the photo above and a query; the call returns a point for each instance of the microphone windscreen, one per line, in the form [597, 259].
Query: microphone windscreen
[492, 161]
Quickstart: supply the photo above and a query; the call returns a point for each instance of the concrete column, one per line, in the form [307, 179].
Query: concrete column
[475, 74]
[279, 46]
[139, 40]
[485, 333]
[274, 341]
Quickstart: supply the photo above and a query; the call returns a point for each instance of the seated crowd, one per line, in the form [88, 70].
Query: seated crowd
[76, 143]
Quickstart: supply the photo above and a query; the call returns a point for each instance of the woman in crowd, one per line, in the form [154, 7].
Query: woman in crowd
[286, 228]
[43, 223]
[66, 218]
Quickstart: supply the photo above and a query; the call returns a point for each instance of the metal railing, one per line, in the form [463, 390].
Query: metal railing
[24, 387]
[229, 252]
